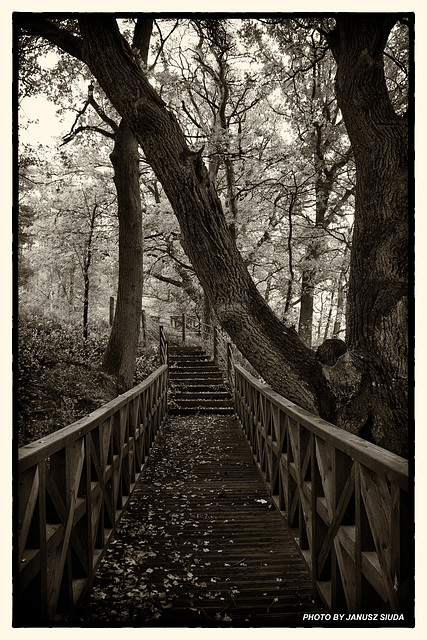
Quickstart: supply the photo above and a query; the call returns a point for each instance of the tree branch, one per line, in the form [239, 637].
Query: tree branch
[172, 281]
[35, 25]
[70, 136]
[100, 111]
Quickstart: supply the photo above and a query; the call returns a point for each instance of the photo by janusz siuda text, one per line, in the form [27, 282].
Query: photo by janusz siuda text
[353, 617]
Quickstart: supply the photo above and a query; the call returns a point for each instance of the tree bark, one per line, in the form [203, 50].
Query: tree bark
[324, 185]
[305, 325]
[86, 273]
[120, 355]
[378, 287]
[340, 304]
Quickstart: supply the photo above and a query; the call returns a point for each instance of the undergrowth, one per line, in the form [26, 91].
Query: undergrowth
[58, 378]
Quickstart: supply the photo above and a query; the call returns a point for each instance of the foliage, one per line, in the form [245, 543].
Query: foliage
[238, 90]
[56, 375]
[261, 102]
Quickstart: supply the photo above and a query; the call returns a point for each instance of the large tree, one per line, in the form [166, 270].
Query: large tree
[368, 389]
[120, 355]
[377, 301]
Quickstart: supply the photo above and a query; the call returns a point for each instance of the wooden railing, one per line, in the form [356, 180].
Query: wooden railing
[72, 489]
[163, 347]
[345, 499]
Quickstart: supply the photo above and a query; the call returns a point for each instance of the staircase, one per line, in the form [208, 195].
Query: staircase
[196, 384]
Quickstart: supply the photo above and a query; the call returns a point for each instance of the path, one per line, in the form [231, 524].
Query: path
[201, 544]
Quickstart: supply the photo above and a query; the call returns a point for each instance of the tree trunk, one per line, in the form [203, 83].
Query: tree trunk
[275, 351]
[324, 184]
[305, 326]
[329, 318]
[120, 354]
[378, 287]
[86, 305]
[86, 268]
[340, 305]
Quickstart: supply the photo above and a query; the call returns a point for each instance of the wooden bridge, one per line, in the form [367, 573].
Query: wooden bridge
[256, 515]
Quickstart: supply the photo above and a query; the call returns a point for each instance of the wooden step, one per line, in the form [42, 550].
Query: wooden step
[196, 371]
[197, 384]
[186, 411]
[215, 395]
[194, 386]
[203, 377]
[185, 350]
[203, 402]
[198, 365]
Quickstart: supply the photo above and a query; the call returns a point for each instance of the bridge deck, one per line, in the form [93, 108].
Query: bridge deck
[201, 544]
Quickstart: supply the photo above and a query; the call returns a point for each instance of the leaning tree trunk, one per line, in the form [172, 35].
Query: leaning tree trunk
[120, 354]
[378, 286]
[275, 351]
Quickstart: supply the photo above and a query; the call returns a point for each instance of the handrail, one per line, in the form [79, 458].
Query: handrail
[73, 487]
[345, 499]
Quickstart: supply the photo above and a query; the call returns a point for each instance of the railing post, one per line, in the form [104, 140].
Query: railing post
[229, 362]
[163, 347]
[183, 327]
[215, 345]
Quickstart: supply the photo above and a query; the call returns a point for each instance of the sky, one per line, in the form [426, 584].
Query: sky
[46, 125]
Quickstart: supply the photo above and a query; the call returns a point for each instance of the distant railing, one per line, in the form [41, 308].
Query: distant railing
[345, 499]
[72, 489]
[163, 347]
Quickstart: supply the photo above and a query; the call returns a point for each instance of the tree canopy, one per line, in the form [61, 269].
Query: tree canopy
[273, 184]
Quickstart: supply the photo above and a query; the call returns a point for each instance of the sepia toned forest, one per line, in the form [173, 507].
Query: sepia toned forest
[249, 172]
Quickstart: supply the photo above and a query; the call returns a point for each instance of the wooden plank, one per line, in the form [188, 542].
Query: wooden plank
[27, 500]
[348, 576]
[358, 508]
[351, 528]
[372, 571]
[336, 520]
[55, 465]
[377, 501]
[43, 542]
[202, 500]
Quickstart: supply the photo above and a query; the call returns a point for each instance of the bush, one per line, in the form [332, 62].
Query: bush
[146, 363]
[58, 378]
[55, 375]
